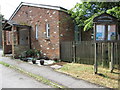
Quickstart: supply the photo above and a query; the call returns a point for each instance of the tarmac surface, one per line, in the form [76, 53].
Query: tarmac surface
[14, 79]
[48, 73]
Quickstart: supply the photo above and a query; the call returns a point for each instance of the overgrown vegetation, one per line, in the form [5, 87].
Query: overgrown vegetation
[85, 72]
[83, 13]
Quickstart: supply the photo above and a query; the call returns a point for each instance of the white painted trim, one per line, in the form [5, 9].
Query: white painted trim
[36, 31]
[42, 6]
[17, 9]
[35, 5]
[47, 30]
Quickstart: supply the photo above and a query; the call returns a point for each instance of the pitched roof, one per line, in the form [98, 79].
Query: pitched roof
[36, 5]
[8, 25]
[104, 16]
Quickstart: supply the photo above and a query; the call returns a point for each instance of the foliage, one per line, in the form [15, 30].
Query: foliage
[115, 12]
[84, 13]
[30, 52]
[1, 21]
[33, 53]
[2, 18]
[36, 53]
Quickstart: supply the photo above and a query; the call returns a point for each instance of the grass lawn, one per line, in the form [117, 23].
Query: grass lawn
[85, 72]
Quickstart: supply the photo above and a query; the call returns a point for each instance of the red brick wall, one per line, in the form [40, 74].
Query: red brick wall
[66, 27]
[31, 16]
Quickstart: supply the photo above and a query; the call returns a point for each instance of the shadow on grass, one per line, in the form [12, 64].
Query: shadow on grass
[102, 75]
[105, 76]
[116, 72]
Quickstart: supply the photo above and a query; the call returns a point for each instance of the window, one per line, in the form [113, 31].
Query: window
[111, 32]
[47, 30]
[36, 32]
[100, 32]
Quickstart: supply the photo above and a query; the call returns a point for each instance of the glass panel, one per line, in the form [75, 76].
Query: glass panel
[100, 32]
[47, 30]
[36, 28]
[111, 32]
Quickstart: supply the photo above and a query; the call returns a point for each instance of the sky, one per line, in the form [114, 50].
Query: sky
[7, 7]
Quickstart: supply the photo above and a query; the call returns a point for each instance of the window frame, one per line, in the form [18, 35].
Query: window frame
[100, 32]
[36, 31]
[47, 30]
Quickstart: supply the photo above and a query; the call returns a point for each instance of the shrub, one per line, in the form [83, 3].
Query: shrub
[37, 53]
[56, 59]
[30, 53]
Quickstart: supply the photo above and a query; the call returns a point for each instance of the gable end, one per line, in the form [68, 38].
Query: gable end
[37, 5]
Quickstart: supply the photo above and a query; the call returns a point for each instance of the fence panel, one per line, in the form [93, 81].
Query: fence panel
[104, 53]
[84, 52]
[66, 51]
[117, 54]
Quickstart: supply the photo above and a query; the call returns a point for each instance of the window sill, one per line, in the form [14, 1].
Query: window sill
[47, 39]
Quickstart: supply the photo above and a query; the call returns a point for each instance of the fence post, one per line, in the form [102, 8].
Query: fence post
[109, 52]
[112, 57]
[74, 51]
[102, 54]
[95, 63]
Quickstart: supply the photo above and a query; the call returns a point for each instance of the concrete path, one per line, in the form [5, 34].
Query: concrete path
[14, 79]
[50, 74]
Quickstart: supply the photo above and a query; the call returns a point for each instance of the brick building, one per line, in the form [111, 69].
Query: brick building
[37, 26]
[0, 30]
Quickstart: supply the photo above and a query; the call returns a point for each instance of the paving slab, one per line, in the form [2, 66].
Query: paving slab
[56, 66]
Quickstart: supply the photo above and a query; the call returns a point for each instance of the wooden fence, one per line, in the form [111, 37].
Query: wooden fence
[83, 52]
[67, 51]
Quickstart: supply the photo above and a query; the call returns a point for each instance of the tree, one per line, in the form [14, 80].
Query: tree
[1, 18]
[84, 13]
[115, 11]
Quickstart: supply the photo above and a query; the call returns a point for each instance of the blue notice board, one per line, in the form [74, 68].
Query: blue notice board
[99, 36]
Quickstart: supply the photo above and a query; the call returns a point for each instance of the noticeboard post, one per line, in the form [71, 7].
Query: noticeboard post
[105, 30]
